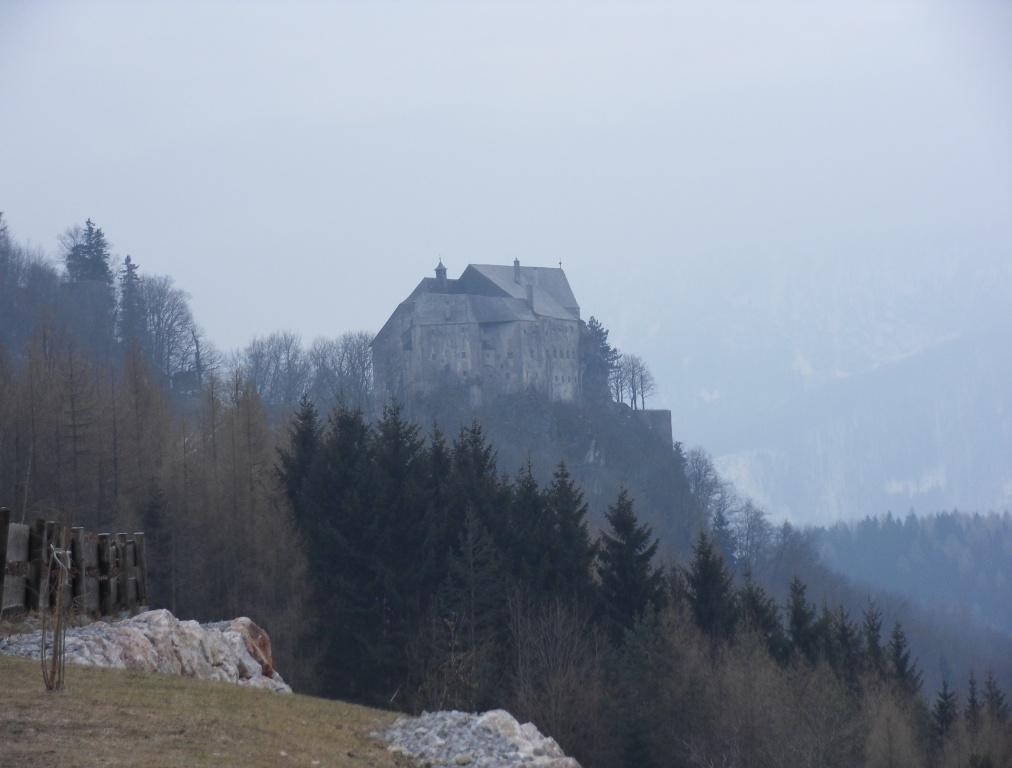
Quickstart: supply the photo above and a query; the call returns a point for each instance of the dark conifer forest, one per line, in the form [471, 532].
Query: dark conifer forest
[557, 561]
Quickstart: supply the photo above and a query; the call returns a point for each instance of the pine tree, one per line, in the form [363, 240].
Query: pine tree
[973, 710]
[475, 484]
[997, 706]
[91, 299]
[759, 613]
[398, 525]
[903, 671]
[723, 537]
[599, 358]
[825, 640]
[472, 603]
[528, 548]
[944, 714]
[711, 593]
[629, 584]
[441, 530]
[573, 552]
[346, 577]
[296, 461]
[132, 316]
[801, 622]
[871, 633]
[160, 548]
[87, 258]
[847, 645]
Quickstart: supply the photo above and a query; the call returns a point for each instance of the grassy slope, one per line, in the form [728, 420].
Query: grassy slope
[121, 718]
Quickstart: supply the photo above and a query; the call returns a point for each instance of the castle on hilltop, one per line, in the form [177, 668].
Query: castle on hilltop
[496, 330]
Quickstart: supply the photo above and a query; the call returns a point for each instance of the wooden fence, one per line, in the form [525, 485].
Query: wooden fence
[108, 572]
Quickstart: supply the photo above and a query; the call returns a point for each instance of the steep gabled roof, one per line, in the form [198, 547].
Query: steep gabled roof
[488, 293]
[551, 292]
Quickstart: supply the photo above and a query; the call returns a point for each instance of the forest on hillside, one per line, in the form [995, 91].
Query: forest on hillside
[957, 562]
[623, 598]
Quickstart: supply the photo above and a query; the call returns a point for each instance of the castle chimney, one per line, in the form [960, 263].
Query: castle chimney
[440, 277]
[530, 296]
[516, 271]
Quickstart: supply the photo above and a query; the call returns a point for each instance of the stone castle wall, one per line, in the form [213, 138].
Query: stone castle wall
[491, 359]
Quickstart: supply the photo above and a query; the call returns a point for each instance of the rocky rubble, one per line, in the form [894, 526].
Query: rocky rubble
[491, 740]
[236, 651]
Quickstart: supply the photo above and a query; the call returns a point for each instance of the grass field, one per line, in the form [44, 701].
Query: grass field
[121, 718]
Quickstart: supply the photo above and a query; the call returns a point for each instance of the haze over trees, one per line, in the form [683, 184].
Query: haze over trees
[397, 564]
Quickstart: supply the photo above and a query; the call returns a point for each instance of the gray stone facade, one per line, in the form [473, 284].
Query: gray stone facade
[495, 330]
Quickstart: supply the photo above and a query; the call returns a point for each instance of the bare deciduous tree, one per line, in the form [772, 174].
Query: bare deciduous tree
[169, 326]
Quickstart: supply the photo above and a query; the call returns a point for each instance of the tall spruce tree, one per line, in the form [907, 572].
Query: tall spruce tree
[529, 546]
[87, 258]
[132, 318]
[472, 604]
[847, 648]
[630, 586]
[759, 614]
[398, 520]
[997, 705]
[710, 591]
[903, 671]
[344, 526]
[973, 711]
[723, 537]
[90, 296]
[943, 714]
[573, 552]
[475, 484]
[871, 635]
[441, 529]
[801, 623]
[295, 462]
[599, 358]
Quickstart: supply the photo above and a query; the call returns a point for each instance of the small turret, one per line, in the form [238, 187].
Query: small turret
[440, 277]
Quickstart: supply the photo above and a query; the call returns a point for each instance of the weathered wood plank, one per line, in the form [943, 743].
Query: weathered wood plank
[142, 568]
[123, 562]
[5, 521]
[131, 560]
[108, 581]
[17, 570]
[63, 536]
[37, 593]
[53, 539]
[91, 592]
[77, 566]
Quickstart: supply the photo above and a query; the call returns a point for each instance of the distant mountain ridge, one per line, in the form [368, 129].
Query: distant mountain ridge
[932, 430]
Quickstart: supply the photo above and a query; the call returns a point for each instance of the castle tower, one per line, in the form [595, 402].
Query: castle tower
[440, 277]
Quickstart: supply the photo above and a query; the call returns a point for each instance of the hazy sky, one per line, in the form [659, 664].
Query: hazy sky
[705, 171]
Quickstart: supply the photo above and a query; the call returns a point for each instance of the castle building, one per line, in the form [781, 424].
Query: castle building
[496, 330]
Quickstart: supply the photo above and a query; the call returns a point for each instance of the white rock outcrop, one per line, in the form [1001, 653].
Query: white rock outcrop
[493, 739]
[156, 641]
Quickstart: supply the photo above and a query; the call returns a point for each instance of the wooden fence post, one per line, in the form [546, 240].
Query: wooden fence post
[131, 553]
[37, 597]
[77, 566]
[5, 521]
[107, 581]
[142, 568]
[16, 573]
[53, 539]
[63, 537]
[89, 565]
[124, 570]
